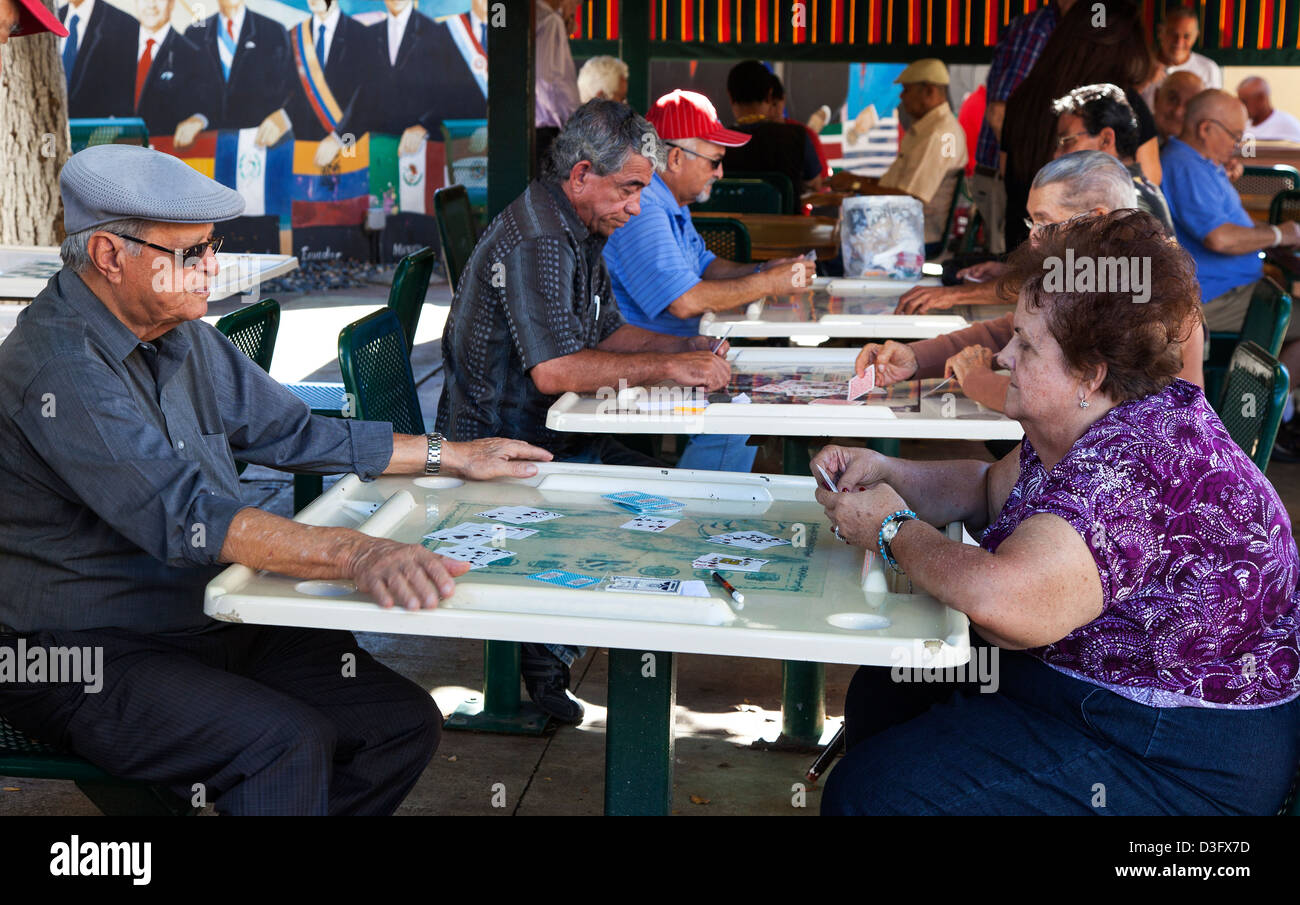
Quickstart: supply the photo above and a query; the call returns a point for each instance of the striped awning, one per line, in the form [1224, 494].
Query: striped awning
[1233, 32]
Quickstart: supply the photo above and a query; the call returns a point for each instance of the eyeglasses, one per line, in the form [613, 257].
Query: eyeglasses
[1035, 227]
[1237, 137]
[1066, 140]
[194, 252]
[716, 161]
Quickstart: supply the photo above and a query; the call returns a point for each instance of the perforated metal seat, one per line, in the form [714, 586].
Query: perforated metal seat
[1250, 406]
[725, 237]
[377, 372]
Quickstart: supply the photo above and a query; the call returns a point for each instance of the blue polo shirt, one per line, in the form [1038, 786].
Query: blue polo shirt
[654, 259]
[1201, 199]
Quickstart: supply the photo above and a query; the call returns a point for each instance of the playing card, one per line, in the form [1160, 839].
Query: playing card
[721, 562]
[750, 540]
[564, 579]
[634, 585]
[519, 515]
[476, 556]
[471, 531]
[830, 485]
[650, 523]
[643, 502]
[860, 386]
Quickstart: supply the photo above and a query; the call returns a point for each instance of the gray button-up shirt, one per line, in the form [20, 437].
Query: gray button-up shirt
[117, 478]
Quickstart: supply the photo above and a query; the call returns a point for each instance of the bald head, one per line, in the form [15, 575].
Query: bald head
[1254, 93]
[1171, 101]
[1213, 124]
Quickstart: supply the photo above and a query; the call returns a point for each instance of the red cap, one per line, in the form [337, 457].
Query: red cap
[34, 18]
[686, 114]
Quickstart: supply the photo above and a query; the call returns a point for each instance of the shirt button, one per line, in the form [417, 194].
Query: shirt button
[180, 444]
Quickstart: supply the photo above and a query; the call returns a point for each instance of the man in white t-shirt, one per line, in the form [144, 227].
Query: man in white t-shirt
[1266, 123]
[1175, 39]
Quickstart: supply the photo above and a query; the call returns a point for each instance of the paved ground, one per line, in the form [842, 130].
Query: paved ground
[724, 703]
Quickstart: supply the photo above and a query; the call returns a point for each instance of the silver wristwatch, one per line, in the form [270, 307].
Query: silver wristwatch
[433, 462]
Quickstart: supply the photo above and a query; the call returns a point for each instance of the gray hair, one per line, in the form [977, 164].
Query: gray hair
[604, 133]
[76, 254]
[600, 74]
[1090, 179]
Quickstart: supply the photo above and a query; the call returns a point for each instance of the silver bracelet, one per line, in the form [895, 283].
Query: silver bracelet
[433, 461]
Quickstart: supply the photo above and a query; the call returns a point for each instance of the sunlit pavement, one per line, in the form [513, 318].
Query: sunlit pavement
[723, 703]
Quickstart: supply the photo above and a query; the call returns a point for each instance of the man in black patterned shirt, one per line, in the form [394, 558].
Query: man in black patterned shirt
[535, 316]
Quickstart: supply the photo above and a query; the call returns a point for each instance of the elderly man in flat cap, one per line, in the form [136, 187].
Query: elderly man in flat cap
[120, 417]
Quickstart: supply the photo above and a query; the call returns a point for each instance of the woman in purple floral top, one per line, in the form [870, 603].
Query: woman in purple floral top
[1136, 579]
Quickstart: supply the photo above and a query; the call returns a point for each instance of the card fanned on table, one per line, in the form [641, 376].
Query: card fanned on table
[476, 556]
[632, 585]
[564, 579]
[519, 515]
[721, 562]
[644, 503]
[750, 540]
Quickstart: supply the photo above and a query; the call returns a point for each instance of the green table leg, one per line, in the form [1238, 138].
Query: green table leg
[639, 734]
[499, 709]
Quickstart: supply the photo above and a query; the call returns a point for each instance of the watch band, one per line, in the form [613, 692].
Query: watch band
[888, 530]
[433, 461]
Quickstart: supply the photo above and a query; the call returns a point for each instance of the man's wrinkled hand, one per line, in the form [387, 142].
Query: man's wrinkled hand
[922, 299]
[405, 575]
[492, 457]
[700, 369]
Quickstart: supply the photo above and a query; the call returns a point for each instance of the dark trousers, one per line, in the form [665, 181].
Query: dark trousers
[271, 720]
[1045, 743]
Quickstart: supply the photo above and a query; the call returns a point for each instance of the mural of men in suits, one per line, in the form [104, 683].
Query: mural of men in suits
[411, 88]
[330, 52]
[168, 71]
[253, 68]
[98, 58]
[469, 32]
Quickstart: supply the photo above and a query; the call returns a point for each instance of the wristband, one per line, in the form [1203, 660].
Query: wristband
[758, 268]
[888, 531]
[1277, 235]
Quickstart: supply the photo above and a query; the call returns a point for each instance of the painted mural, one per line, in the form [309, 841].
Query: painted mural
[335, 119]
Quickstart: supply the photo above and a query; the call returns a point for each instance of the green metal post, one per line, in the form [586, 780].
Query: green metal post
[639, 733]
[634, 50]
[510, 166]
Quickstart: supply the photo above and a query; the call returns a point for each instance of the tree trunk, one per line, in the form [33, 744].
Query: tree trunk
[34, 140]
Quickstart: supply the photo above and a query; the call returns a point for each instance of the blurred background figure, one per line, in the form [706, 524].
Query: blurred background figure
[329, 50]
[556, 85]
[605, 77]
[168, 66]
[1175, 39]
[757, 98]
[1266, 123]
[1077, 53]
[1014, 56]
[250, 58]
[1171, 102]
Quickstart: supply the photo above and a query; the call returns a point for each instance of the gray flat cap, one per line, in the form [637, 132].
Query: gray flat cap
[104, 183]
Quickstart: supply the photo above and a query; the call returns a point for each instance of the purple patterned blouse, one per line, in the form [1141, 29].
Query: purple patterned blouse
[1198, 567]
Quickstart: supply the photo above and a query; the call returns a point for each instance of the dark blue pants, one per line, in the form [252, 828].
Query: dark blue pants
[271, 720]
[1045, 743]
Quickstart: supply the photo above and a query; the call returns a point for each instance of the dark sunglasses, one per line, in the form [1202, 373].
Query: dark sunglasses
[186, 254]
[716, 161]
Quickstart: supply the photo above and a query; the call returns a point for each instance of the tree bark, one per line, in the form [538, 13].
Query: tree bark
[34, 140]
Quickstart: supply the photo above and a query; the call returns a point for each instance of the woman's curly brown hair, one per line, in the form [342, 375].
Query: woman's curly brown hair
[1139, 342]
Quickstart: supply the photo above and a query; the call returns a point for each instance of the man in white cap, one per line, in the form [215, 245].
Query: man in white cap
[932, 153]
[663, 275]
[121, 414]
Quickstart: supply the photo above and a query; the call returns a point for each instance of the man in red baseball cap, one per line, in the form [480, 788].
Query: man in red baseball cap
[663, 275]
[27, 17]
